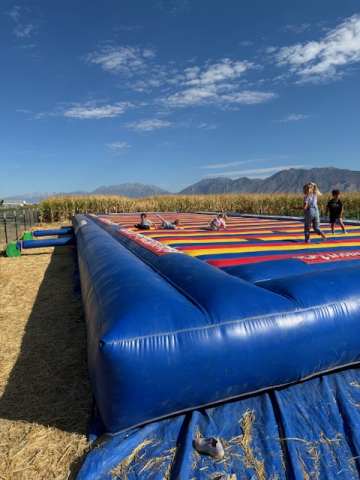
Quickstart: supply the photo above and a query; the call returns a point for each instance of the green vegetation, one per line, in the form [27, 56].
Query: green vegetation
[63, 208]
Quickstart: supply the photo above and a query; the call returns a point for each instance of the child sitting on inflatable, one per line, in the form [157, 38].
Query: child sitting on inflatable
[218, 222]
[144, 224]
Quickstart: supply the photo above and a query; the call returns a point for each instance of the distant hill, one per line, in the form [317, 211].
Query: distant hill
[222, 185]
[130, 190]
[30, 198]
[286, 181]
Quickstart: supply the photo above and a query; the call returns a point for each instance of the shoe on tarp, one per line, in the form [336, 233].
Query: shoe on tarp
[211, 446]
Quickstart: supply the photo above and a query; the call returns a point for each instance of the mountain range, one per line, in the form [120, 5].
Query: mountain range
[285, 181]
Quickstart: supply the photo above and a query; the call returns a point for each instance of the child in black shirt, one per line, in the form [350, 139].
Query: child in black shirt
[145, 223]
[335, 207]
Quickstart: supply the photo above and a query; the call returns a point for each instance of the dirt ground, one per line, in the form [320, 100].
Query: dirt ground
[45, 394]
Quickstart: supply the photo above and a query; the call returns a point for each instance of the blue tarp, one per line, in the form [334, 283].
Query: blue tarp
[305, 431]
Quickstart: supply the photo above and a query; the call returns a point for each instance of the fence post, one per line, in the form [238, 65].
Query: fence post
[6, 237]
[24, 219]
[16, 228]
[30, 217]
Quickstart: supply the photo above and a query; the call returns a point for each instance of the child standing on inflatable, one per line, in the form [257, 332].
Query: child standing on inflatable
[145, 223]
[311, 211]
[218, 222]
[335, 207]
[171, 225]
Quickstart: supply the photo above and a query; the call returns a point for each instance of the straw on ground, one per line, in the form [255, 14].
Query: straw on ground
[45, 394]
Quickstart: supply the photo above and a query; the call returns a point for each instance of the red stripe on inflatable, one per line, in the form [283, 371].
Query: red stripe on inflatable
[148, 243]
[229, 262]
[310, 258]
[330, 257]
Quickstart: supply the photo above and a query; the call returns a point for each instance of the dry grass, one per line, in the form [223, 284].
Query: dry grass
[126, 466]
[244, 441]
[136, 462]
[44, 387]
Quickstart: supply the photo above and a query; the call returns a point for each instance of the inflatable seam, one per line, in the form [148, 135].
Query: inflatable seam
[281, 294]
[186, 295]
[218, 325]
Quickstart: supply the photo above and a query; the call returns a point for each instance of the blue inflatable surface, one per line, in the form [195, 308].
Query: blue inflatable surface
[169, 333]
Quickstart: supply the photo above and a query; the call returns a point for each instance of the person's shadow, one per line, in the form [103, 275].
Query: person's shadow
[49, 383]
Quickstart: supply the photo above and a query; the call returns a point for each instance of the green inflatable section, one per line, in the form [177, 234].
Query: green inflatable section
[12, 251]
[27, 236]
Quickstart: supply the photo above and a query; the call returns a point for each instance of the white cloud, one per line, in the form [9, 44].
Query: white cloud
[231, 164]
[133, 63]
[212, 95]
[245, 43]
[152, 79]
[91, 111]
[30, 45]
[148, 125]
[296, 28]
[191, 96]
[294, 118]
[207, 126]
[121, 59]
[14, 13]
[224, 70]
[324, 60]
[118, 145]
[41, 115]
[118, 148]
[173, 6]
[258, 171]
[216, 84]
[128, 28]
[25, 30]
[148, 53]
[249, 97]
[86, 111]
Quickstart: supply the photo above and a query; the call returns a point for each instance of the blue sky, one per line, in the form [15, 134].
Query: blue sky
[171, 92]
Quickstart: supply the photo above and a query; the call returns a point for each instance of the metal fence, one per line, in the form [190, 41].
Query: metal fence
[13, 222]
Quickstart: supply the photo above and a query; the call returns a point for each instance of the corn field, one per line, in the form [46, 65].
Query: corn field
[56, 209]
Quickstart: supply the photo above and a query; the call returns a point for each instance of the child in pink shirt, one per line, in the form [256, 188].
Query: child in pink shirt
[218, 222]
